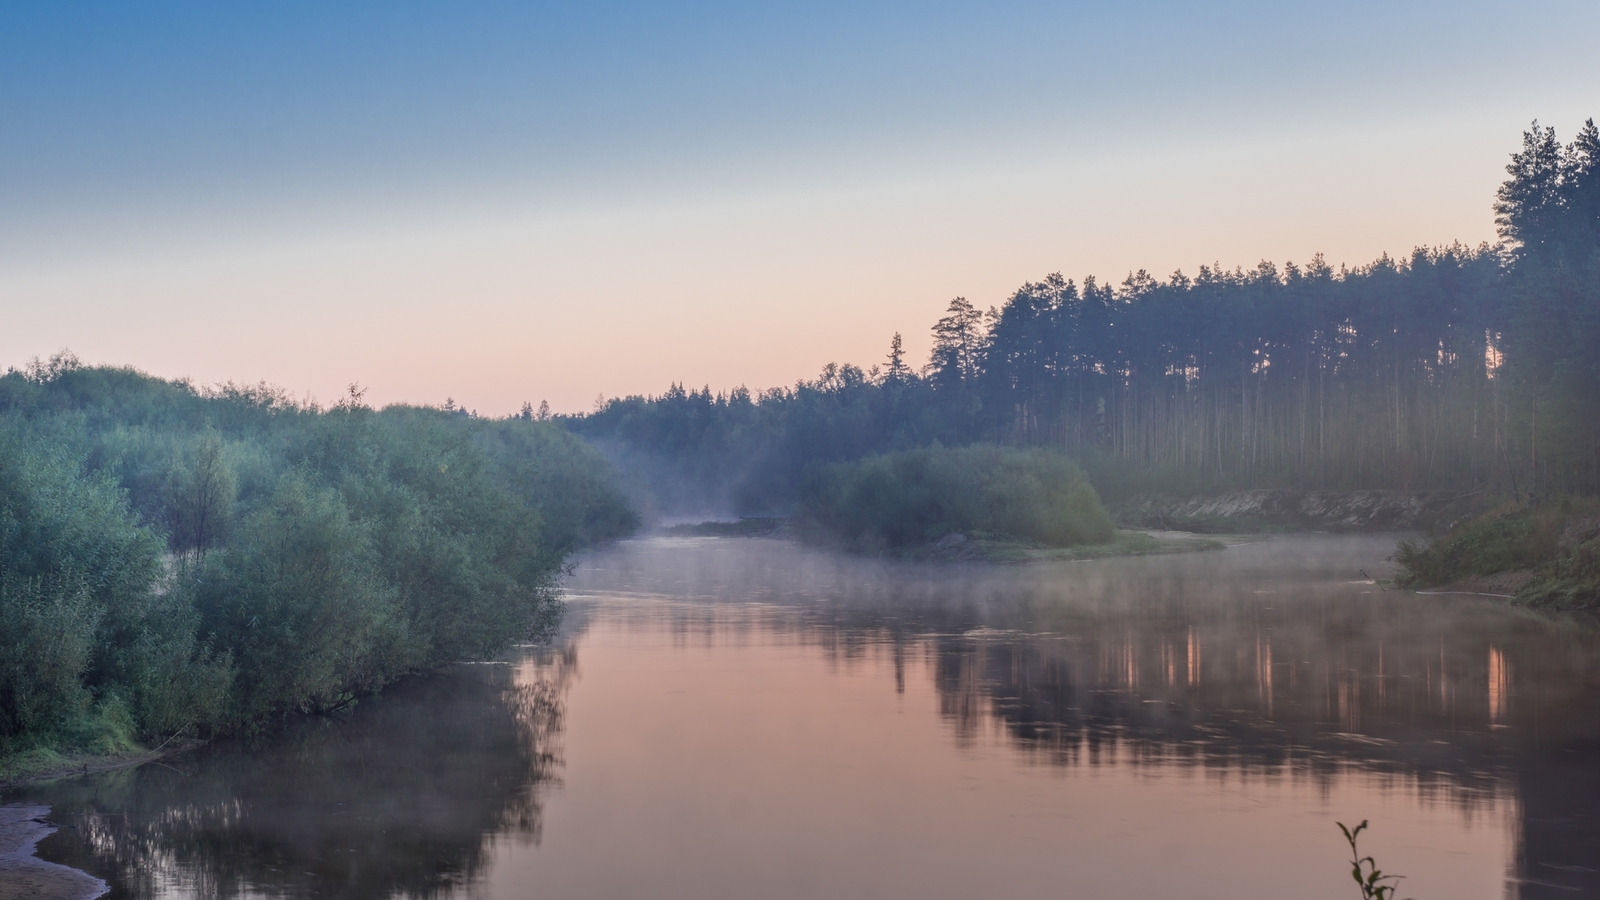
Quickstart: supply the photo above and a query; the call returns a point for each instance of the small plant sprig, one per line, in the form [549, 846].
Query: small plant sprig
[1374, 884]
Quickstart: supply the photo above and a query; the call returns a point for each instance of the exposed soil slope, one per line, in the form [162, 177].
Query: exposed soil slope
[1266, 510]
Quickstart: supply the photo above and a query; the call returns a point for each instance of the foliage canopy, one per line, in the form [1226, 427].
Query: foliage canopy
[902, 500]
[174, 558]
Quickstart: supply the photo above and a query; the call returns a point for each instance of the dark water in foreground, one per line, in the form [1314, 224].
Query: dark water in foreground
[741, 718]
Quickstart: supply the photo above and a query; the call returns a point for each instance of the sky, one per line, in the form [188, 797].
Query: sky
[498, 203]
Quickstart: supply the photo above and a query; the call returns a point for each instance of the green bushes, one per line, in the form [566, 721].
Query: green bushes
[904, 500]
[1501, 541]
[46, 639]
[297, 602]
[178, 560]
[1548, 555]
[75, 569]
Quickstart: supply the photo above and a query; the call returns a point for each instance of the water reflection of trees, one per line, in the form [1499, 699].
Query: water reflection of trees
[401, 797]
[1270, 655]
[1315, 683]
[1477, 708]
[1276, 660]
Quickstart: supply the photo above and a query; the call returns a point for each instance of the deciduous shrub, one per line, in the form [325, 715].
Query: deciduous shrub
[903, 500]
[176, 559]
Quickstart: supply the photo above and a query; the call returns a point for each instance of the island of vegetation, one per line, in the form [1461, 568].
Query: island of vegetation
[981, 501]
[177, 563]
[907, 500]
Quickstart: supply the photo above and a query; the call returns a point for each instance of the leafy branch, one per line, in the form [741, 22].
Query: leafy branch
[1374, 884]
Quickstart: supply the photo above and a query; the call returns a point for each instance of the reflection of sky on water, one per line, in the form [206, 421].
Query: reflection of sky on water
[752, 718]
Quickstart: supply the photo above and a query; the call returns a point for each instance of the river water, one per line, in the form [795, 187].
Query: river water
[748, 718]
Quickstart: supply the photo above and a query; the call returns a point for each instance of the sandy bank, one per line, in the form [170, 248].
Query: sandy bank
[1267, 510]
[24, 875]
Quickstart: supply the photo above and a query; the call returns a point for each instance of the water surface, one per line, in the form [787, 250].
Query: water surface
[749, 718]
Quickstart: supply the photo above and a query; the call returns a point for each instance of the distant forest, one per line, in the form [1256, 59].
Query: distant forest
[1455, 369]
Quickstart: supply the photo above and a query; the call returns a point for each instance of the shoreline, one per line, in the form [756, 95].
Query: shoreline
[1542, 557]
[22, 874]
[83, 764]
[1127, 542]
[955, 547]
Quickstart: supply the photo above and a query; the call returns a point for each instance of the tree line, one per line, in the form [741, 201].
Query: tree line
[1454, 368]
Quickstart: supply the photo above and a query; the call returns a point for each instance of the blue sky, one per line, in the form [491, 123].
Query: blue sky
[499, 202]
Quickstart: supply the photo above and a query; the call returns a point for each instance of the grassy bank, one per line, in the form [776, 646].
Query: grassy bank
[176, 563]
[43, 763]
[749, 526]
[908, 503]
[1124, 542]
[1544, 556]
[956, 546]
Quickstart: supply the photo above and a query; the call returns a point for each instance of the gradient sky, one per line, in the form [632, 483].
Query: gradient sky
[509, 202]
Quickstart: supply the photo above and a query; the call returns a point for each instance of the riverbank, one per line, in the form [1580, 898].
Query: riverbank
[1229, 513]
[1546, 557]
[1126, 542]
[744, 526]
[1253, 512]
[22, 874]
[1174, 524]
[206, 562]
[982, 548]
[45, 764]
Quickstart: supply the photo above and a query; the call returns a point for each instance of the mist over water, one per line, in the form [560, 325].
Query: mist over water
[734, 718]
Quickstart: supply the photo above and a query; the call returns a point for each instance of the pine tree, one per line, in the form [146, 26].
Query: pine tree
[1528, 205]
[957, 340]
[898, 372]
[1580, 190]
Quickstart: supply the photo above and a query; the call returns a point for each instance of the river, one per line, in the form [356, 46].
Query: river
[751, 718]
